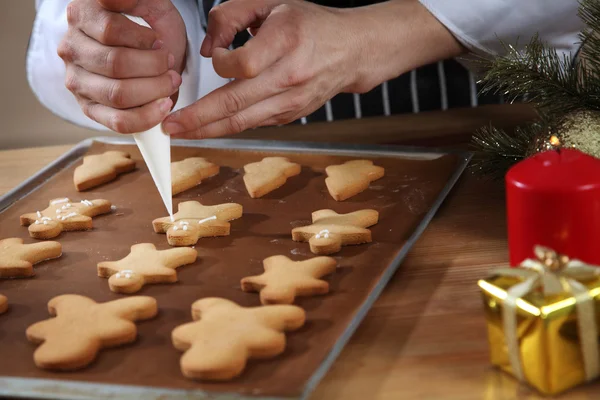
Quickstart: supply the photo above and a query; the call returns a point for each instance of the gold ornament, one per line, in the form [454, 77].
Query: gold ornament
[581, 130]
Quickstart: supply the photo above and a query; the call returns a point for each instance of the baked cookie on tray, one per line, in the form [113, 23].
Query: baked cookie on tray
[194, 220]
[101, 168]
[17, 259]
[350, 178]
[284, 279]
[81, 328]
[145, 265]
[224, 335]
[268, 174]
[330, 230]
[64, 215]
[188, 173]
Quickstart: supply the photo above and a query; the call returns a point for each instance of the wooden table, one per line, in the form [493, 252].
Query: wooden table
[425, 338]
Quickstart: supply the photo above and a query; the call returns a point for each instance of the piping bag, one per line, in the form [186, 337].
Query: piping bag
[155, 147]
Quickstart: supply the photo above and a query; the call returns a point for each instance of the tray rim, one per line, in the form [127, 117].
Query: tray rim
[35, 387]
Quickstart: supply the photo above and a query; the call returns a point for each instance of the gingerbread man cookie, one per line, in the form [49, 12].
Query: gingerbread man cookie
[350, 178]
[82, 327]
[269, 174]
[101, 168]
[284, 279]
[225, 335]
[144, 264]
[190, 172]
[3, 304]
[64, 215]
[17, 259]
[330, 230]
[194, 221]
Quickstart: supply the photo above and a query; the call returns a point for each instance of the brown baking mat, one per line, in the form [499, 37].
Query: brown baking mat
[406, 193]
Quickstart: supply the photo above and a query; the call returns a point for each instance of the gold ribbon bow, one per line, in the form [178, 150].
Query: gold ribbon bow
[554, 274]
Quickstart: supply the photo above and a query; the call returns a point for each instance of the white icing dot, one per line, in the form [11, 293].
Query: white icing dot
[39, 214]
[46, 219]
[113, 208]
[323, 234]
[45, 222]
[37, 222]
[185, 228]
[184, 223]
[175, 228]
[58, 211]
[58, 201]
[126, 273]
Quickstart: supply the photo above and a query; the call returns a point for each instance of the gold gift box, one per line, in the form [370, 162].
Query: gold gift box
[547, 332]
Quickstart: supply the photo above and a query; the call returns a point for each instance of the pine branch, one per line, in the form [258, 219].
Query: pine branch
[589, 12]
[496, 150]
[554, 83]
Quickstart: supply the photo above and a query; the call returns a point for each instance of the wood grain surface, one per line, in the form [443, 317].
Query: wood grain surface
[425, 338]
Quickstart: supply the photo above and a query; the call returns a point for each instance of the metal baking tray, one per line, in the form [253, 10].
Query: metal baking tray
[60, 387]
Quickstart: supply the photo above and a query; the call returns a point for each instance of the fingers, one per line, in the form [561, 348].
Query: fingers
[113, 62]
[131, 120]
[112, 29]
[279, 109]
[229, 18]
[274, 40]
[223, 102]
[121, 93]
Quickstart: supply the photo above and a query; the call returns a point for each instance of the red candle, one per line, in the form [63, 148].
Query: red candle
[553, 200]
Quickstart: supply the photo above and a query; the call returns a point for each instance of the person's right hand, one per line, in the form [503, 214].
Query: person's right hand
[124, 76]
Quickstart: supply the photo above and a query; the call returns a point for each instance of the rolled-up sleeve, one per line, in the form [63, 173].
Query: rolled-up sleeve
[481, 25]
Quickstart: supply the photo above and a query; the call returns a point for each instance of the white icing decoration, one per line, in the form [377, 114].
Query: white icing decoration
[73, 214]
[175, 228]
[126, 273]
[323, 234]
[88, 203]
[46, 219]
[113, 207]
[207, 219]
[184, 223]
[185, 228]
[39, 214]
[37, 222]
[58, 201]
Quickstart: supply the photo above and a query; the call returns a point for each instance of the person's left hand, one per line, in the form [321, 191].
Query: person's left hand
[301, 55]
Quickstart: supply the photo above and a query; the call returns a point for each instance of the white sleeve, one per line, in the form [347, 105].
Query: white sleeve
[481, 25]
[46, 71]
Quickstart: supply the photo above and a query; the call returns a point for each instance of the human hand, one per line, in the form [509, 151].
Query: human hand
[124, 76]
[301, 55]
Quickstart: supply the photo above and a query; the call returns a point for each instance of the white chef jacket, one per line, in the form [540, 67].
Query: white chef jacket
[477, 24]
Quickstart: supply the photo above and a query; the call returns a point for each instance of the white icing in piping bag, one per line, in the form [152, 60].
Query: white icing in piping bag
[155, 147]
